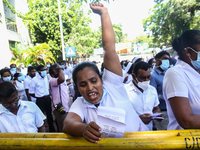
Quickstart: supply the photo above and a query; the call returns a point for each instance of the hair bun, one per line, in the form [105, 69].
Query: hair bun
[176, 44]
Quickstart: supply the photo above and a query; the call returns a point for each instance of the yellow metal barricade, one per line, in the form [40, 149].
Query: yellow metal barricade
[175, 139]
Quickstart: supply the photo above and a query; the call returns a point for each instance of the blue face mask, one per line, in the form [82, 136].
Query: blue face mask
[165, 65]
[7, 78]
[43, 73]
[63, 66]
[171, 66]
[196, 63]
[22, 66]
[13, 69]
[48, 66]
[124, 67]
[104, 93]
[23, 77]
[20, 78]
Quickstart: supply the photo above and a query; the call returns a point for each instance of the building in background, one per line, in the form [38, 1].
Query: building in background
[12, 30]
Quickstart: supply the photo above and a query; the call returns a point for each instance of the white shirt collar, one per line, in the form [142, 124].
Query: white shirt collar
[132, 87]
[192, 74]
[3, 109]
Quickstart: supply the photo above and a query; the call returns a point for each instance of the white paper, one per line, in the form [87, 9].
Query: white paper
[112, 121]
[154, 116]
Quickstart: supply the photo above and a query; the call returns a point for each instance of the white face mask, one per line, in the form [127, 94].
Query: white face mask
[143, 85]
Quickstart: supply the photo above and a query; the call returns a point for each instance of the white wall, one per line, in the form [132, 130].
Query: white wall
[5, 55]
[22, 36]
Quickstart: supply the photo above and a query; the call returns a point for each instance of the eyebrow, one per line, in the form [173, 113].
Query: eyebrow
[88, 79]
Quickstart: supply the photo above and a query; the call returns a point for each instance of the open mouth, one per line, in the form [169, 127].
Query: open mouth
[92, 96]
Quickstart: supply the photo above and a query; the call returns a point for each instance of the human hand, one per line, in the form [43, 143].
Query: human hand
[97, 8]
[161, 115]
[146, 118]
[91, 132]
[125, 79]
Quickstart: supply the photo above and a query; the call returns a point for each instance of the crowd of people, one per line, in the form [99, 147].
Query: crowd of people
[126, 96]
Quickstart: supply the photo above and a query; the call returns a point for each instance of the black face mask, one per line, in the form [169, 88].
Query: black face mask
[32, 75]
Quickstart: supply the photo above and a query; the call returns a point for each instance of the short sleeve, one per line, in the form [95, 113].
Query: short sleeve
[32, 88]
[26, 84]
[78, 108]
[174, 85]
[111, 78]
[39, 116]
[53, 82]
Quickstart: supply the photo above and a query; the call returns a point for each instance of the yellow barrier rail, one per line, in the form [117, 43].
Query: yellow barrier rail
[174, 139]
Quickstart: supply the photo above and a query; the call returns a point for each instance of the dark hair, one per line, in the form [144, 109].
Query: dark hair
[16, 75]
[7, 89]
[12, 64]
[161, 53]
[51, 69]
[30, 68]
[80, 67]
[102, 66]
[140, 65]
[39, 67]
[5, 70]
[130, 71]
[63, 61]
[150, 61]
[122, 63]
[188, 39]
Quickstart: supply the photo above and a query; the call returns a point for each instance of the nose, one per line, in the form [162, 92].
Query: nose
[13, 105]
[89, 87]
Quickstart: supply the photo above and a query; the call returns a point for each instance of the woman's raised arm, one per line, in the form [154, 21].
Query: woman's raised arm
[111, 59]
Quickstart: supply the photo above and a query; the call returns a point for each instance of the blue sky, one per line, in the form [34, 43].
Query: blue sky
[129, 13]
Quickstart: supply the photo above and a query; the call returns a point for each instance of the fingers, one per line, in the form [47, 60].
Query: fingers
[91, 132]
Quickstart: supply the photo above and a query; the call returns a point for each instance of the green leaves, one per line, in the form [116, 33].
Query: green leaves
[170, 19]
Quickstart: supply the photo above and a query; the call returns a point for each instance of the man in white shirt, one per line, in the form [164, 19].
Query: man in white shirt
[67, 70]
[16, 115]
[27, 82]
[143, 96]
[23, 69]
[39, 88]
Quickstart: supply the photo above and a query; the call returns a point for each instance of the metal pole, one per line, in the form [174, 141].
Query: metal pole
[61, 32]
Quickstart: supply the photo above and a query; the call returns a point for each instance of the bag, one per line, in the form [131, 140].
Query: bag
[59, 107]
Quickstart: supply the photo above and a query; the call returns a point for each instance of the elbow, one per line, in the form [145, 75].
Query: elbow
[187, 123]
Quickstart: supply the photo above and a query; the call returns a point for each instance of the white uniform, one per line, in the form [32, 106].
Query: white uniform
[21, 90]
[181, 81]
[27, 82]
[28, 119]
[143, 102]
[117, 97]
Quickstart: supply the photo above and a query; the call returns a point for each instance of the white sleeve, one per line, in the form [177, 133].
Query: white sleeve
[32, 88]
[77, 107]
[174, 85]
[26, 84]
[39, 116]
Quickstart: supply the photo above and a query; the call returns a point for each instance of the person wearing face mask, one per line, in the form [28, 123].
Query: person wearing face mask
[27, 81]
[157, 75]
[59, 92]
[23, 69]
[181, 83]
[39, 88]
[152, 63]
[18, 116]
[18, 78]
[6, 76]
[13, 69]
[143, 96]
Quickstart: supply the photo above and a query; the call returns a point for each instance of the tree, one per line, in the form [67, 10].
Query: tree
[17, 55]
[43, 23]
[38, 54]
[170, 19]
